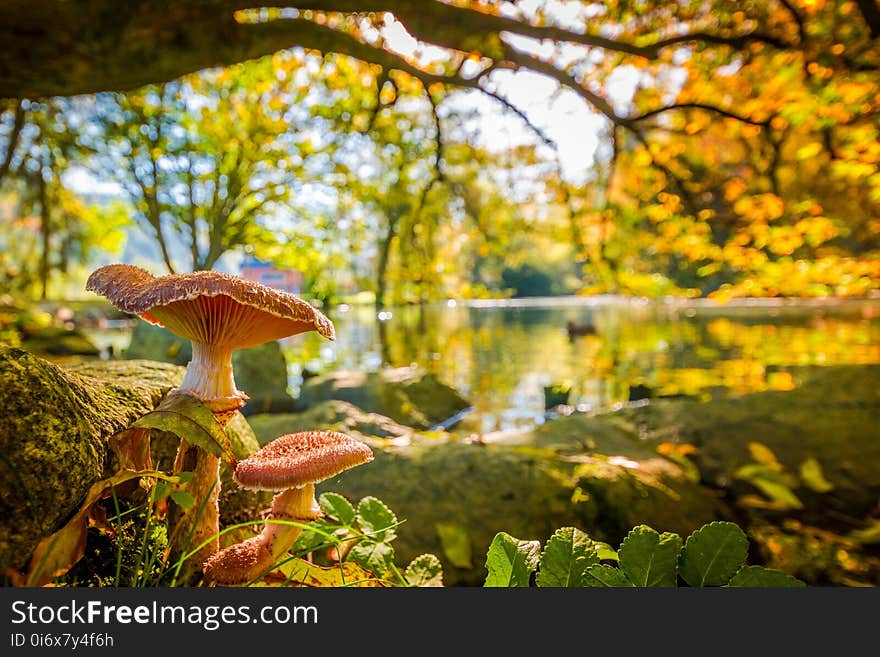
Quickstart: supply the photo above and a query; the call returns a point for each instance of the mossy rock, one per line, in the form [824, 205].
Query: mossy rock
[260, 371]
[407, 395]
[831, 416]
[329, 415]
[53, 436]
[454, 497]
[54, 341]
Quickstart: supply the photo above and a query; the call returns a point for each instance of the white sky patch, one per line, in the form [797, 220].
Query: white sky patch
[82, 181]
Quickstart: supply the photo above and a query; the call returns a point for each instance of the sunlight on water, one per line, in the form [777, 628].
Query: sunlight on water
[502, 354]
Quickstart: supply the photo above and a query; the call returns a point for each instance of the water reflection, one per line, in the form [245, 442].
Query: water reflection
[501, 355]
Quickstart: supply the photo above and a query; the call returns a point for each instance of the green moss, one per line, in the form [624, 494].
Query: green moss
[53, 436]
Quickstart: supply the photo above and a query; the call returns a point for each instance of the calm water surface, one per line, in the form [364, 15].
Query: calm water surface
[502, 354]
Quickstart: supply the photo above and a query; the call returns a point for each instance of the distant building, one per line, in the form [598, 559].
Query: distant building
[289, 280]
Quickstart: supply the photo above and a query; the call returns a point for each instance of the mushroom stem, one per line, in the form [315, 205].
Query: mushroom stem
[242, 562]
[200, 523]
[208, 377]
[209, 374]
[293, 504]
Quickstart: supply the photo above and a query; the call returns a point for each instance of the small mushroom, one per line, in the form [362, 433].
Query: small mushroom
[291, 464]
[218, 313]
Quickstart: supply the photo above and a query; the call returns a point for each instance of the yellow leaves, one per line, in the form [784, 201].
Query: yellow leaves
[809, 151]
[299, 572]
[642, 159]
[761, 208]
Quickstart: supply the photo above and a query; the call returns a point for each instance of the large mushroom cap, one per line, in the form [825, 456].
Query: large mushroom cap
[209, 306]
[297, 459]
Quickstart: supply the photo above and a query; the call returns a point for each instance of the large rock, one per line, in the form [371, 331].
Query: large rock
[832, 416]
[260, 371]
[55, 341]
[53, 437]
[454, 496]
[407, 395]
[333, 414]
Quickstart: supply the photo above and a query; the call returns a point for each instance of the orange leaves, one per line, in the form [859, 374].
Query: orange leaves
[760, 208]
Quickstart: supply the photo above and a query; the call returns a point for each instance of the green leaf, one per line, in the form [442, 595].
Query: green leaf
[309, 540]
[763, 577]
[603, 575]
[425, 570]
[649, 558]
[337, 507]
[605, 552]
[456, 544]
[375, 557]
[182, 499]
[162, 490]
[713, 554]
[510, 561]
[566, 557]
[813, 477]
[376, 520]
[189, 419]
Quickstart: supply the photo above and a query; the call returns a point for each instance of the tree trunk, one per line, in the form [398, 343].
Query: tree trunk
[45, 234]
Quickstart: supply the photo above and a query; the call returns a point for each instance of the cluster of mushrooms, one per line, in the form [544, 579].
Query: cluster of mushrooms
[219, 313]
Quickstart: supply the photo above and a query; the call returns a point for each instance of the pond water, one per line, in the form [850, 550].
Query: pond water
[502, 354]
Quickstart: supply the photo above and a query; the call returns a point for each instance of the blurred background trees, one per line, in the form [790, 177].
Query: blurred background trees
[364, 144]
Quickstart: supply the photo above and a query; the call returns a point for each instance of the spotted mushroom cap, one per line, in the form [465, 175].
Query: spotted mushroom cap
[209, 306]
[297, 459]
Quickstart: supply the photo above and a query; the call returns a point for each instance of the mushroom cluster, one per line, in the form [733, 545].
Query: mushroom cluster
[219, 313]
[290, 465]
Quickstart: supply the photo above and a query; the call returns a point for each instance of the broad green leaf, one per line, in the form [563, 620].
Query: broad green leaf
[182, 499]
[189, 419]
[763, 577]
[566, 557]
[649, 558]
[510, 561]
[813, 477]
[456, 544]
[337, 507]
[376, 520]
[299, 572]
[603, 575]
[713, 554]
[425, 570]
[375, 557]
